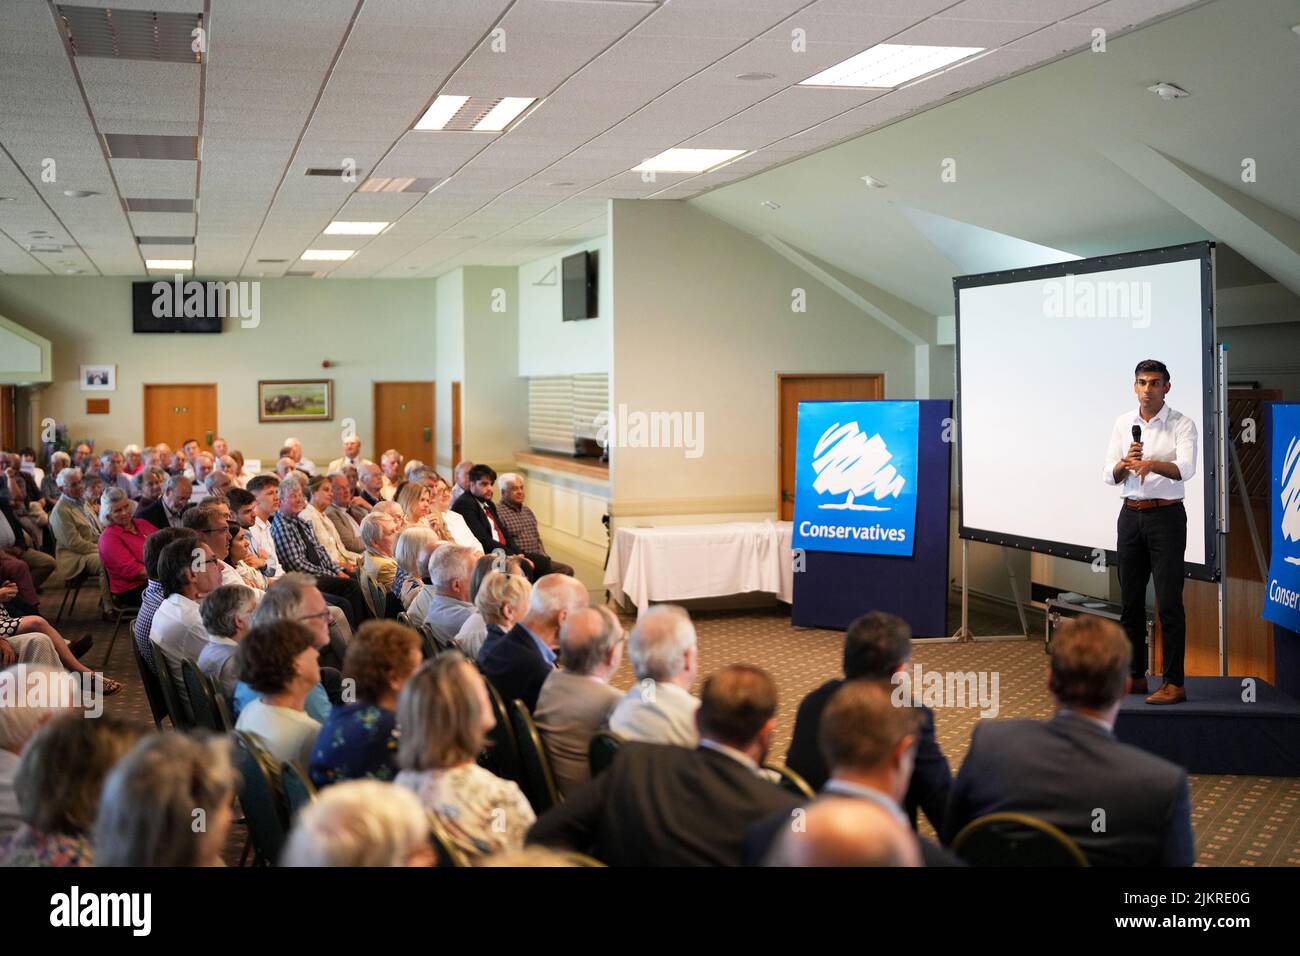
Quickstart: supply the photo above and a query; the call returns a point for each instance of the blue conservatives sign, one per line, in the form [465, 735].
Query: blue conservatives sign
[1282, 596]
[855, 477]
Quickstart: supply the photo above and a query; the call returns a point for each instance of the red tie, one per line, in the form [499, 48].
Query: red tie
[495, 527]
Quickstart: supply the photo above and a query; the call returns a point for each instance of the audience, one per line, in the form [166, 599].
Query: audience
[520, 522]
[876, 646]
[227, 614]
[449, 607]
[156, 797]
[361, 823]
[280, 662]
[296, 599]
[480, 514]
[321, 498]
[518, 661]
[298, 550]
[502, 608]
[58, 785]
[121, 548]
[21, 715]
[445, 716]
[1066, 769]
[360, 737]
[78, 539]
[167, 511]
[576, 699]
[673, 806]
[339, 513]
[659, 707]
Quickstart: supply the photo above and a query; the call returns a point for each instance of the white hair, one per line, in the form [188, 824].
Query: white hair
[288, 482]
[66, 475]
[659, 642]
[554, 593]
[358, 823]
[449, 563]
[508, 479]
[374, 526]
[131, 450]
[111, 497]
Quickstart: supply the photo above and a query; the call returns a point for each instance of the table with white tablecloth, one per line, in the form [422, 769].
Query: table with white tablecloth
[689, 561]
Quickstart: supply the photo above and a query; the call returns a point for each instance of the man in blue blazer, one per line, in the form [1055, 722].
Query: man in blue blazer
[876, 646]
[517, 662]
[1121, 805]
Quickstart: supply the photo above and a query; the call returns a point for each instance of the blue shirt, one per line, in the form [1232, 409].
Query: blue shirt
[317, 705]
[543, 648]
[358, 741]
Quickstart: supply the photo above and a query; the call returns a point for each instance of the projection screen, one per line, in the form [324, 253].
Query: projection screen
[1045, 360]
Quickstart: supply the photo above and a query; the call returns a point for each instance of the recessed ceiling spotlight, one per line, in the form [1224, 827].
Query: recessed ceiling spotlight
[756, 76]
[873, 183]
[769, 204]
[1168, 91]
[79, 193]
[682, 160]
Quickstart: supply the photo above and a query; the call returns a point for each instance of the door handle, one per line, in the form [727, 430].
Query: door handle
[428, 433]
[786, 496]
[209, 439]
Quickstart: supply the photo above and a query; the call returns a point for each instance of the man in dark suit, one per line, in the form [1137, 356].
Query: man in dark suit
[1121, 805]
[166, 511]
[480, 513]
[876, 646]
[870, 746]
[661, 805]
[518, 661]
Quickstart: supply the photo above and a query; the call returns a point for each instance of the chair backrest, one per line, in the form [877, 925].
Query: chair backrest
[297, 787]
[1016, 839]
[202, 705]
[177, 709]
[404, 619]
[791, 781]
[602, 750]
[538, 779]
[448, 853]
[152, 686]
[428, 641]
[261, 798]
[502, 756]
[374, 594]
[223, 707]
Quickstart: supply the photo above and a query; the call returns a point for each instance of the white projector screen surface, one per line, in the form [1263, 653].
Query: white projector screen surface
[1045, 367]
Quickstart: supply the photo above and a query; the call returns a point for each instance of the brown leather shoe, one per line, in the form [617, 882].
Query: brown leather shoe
[1137, 685]
[1168, 694]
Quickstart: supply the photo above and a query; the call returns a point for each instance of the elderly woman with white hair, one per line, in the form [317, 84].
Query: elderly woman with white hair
[133, 461]
[361, 823]
[121, 547]
[412, 552]
[379, 535]
[501, 606]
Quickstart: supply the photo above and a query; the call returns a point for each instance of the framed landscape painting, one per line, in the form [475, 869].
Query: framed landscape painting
[295, 400]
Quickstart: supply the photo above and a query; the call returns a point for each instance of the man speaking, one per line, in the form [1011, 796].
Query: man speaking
[1150, 455]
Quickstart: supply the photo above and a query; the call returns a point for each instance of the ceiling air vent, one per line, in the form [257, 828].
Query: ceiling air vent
[160, 205]
[136, 146]
[131, 34]
[334, 171]
[164, 240]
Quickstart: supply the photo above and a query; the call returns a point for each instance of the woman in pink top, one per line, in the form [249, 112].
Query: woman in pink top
[121, 547]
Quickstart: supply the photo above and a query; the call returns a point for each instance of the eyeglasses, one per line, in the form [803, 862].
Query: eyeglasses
[311, 617]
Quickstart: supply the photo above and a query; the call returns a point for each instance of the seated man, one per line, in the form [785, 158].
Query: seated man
[576, 700]
[673, 806]
[227, 613]
[154, 594]
[339, 513]
[485, 522]
[876, 646]
[177, 630]
[659, 708]
[371, 480]
[841, 832]
[78, 539]
[450, 567]
[390, 462]
[870, 746]
[298, 550]
[518, 661]
[293, 449]
[204, 465]
[351, 456]
[1070, 770]
[520, 522]
[167, 511]
[111, 470]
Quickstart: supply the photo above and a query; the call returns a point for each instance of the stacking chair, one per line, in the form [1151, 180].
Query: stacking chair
[791, 781]
[1016, 839]
[502, 754]
[71, 591]
[203, 704]
[602, 750]
[448, 853]
[261, 798]
[534, 763]
[121, 615]
[297, 787]
[152, 687]
[182, 717]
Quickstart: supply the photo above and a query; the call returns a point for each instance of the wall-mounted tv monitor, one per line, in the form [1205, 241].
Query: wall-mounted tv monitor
[163, 305]
[578, 279]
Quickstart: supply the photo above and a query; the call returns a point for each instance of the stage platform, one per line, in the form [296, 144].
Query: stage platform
[1215, 731]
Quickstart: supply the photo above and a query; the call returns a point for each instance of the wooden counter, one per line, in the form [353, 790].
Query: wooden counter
[590, 468]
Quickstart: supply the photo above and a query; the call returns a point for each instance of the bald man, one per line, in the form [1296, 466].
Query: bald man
[842, 831]
[577, 700]
[519, 661]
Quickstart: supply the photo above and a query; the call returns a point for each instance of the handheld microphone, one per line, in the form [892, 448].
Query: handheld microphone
[1137, 437]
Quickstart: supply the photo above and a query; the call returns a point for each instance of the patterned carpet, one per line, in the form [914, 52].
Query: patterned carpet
[1238, 821]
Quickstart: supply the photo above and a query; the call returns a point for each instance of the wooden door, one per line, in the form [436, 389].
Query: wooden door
[455, 425]
[8, 431]
[175, 413]
[404, 420]
[793, 389]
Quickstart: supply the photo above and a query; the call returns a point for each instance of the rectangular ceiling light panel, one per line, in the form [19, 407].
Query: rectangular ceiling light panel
[889, 65]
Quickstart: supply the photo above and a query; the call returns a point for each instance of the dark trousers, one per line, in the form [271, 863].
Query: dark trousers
[353, 601]
[1151, 545]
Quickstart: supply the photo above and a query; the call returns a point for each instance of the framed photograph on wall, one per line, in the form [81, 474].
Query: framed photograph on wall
[99, 378]
[295, 400]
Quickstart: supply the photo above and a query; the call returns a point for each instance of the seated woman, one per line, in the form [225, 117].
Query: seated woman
[240, 552]
[379, 535]
[445, 715]
[501, 599]
[414, 545]
[13, 648]
[361, 823]
[319, 500]
[154, 796]
[360, 739]
[58, 786]
[416, 503]
[280, 662]
[133, 461]
[457, 529]
[121, 547]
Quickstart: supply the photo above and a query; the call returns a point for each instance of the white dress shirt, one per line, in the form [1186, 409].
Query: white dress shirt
[1169, 436]
[260, 535]
[460, 532]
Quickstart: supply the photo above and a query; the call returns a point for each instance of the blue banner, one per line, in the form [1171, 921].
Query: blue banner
[856, 477]
[1282, 596]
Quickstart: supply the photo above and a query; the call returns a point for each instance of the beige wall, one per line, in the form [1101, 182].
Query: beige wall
[373, 330]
